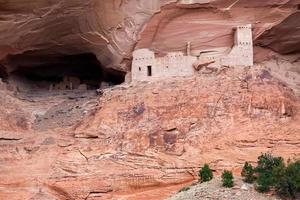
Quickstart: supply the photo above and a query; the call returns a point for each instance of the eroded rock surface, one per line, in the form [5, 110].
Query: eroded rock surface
[208, 24]
[38, 33]
[52, 28]
[284, 37]
[145, 141]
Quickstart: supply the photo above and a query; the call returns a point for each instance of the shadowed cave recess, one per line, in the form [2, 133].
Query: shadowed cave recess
[29, 72]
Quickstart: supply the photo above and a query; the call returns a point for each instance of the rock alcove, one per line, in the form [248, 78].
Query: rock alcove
[59, 72]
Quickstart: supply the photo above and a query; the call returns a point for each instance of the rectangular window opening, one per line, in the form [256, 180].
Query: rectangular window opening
[149, 70]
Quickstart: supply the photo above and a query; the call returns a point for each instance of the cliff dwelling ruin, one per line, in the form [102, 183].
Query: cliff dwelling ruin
[59, 72]
[146, 66]
[64, 136]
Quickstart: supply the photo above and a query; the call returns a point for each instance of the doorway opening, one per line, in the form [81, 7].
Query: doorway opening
[149, 70]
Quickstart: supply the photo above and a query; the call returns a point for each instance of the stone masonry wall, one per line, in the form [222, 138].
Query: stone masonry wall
[174, 64]
[242, 51]
[146, 67]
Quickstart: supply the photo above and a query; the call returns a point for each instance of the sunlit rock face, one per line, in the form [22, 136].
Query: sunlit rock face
[145, 140]
[53, 28]
[208, 24]
[112, 29]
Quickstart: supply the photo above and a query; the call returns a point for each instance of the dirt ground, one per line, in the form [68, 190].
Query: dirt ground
[213, 190]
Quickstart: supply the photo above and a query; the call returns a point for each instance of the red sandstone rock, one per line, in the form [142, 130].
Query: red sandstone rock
[284, 37]
[147, 140]
[143, 141]
[33, 33]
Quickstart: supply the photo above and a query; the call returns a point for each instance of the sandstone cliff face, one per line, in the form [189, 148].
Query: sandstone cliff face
[209, 25]
[106, 28]
[284, 37]
[144, 141]
[32, 33]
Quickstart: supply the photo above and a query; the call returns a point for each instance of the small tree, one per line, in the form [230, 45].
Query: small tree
[287, 179]
[205, 174]
[273, 172]
[248, 173]
[265, 168]
[227, 179]
[263, 182]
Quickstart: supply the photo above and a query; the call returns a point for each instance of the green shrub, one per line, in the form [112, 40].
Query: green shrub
[266, 162]
[248, 173]
[263, 182]
[227, 179]
[287, 179]
[184, 189]
[265, 171]
[205, 174]
[272, 172]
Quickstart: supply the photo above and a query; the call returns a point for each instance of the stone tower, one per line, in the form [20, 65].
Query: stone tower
[242, 51]
[243, 42]
[243, 35]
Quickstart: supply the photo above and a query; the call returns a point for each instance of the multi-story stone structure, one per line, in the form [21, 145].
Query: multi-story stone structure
[242, 51]
[145, 66]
